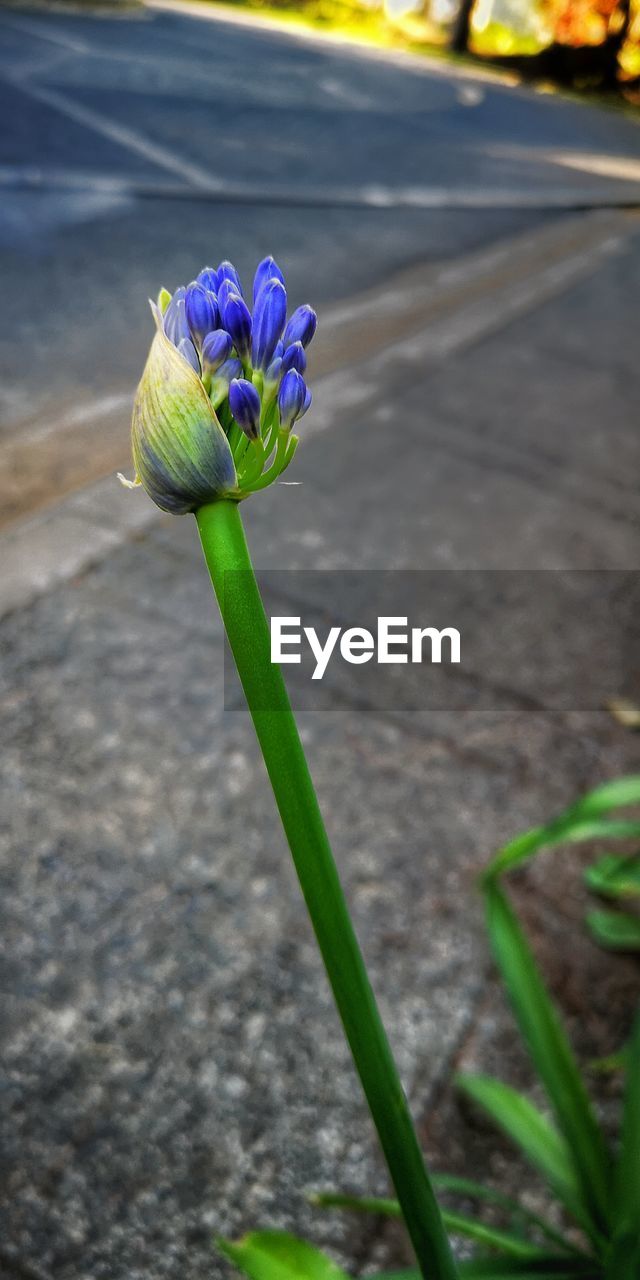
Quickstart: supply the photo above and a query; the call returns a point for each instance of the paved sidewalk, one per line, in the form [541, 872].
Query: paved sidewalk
[174, 1067]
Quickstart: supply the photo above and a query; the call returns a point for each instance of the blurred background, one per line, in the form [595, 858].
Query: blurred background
[456, 190]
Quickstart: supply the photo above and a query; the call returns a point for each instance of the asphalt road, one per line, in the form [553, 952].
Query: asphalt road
[141, 146]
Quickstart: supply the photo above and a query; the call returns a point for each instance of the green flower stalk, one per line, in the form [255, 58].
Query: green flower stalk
[202, 442]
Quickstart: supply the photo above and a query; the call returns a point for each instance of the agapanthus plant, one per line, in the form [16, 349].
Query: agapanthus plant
[222, 389]
[213, 422]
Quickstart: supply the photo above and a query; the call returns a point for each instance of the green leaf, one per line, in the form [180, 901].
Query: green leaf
[457, 1223]
[616, 794]
[615, 877]
[358, 1204]
[276, 1255]
[623, 1262]
[447, 1182]
[531, 1131]
[551, 1053]
[505, 1241]
[584, 820]
[571, 828]
[627, 1175]
[615, 930]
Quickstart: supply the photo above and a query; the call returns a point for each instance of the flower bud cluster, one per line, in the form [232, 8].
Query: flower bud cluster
[222, 389]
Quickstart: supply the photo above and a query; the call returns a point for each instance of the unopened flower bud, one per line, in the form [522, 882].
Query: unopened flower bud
[291, 398]
[201, 311]
[227, 271]
[273, 373]
[269, 315]
[268, 269]
[244, 402]
[216, 348]
[237, 321]
[181, 454]
[175, 319]
[209, 278]
[221, 380]
[301, 326]
[294, 358]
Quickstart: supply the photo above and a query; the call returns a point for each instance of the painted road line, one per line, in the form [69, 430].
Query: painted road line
[121, 134]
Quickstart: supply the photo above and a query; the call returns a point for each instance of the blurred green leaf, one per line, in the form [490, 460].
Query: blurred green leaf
[572, 828]
[619, 793]
[449, 1182]
[584, 820]
[551, 1054]
[627, 1175]
[529, 1130]
[504, 1241]
[623, 1262]
[614, 876]
[615, 930]
[276, 1255]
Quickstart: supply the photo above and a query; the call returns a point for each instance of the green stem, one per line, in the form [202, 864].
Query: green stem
[225, 551]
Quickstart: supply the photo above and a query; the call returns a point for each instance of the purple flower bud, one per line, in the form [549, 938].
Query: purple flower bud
[209, 278]
[294, 358]
[307, 402]
[301, 326]
[237, 321]
[273, 373]
[227, 271]
[187, 349]
[244, 402]
[291, 398]
[201, 311]
[269, 315]
[279, 351]
[175, 320]
[225, 289]
[268, 269]
[216, 348]
[222, 379]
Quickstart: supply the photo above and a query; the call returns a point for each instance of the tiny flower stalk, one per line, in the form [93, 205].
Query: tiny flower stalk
[206, 434]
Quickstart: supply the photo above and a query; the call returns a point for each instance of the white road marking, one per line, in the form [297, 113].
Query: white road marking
[121, 134]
